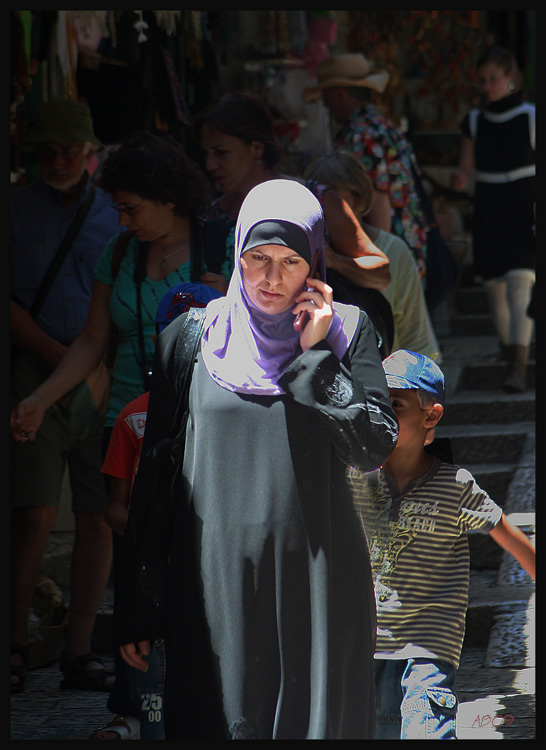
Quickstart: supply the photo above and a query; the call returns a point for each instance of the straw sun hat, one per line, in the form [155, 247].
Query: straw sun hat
[346, 70]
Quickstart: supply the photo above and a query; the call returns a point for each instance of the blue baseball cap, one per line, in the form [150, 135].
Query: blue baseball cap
[405, 369]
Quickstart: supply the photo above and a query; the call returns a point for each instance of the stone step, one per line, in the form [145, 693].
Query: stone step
[487, 406]
[495, 479]
[470, 300]
[459, 350]
[491, 376]
[486, 443]
[494, 703]
[473, 324]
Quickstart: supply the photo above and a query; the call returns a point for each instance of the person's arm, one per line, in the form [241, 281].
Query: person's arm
[515, 542]
[27, 334]
[405, 295]
[351, 397]
[81, 358]
[117, 506]
[215, 281]
[460, 175]
[379, 215]
[352, 252]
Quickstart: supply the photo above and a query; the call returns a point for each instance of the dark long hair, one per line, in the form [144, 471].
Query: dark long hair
[243, 116]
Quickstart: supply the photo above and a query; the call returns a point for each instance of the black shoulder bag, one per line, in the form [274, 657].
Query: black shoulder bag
[145, 556]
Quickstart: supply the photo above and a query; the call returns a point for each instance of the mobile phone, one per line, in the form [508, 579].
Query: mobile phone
[301, 317]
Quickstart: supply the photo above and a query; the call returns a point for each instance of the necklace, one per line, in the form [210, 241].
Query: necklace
[163, 262]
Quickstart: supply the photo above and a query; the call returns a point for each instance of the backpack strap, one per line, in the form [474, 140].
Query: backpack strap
[185, 355]
[119, 251]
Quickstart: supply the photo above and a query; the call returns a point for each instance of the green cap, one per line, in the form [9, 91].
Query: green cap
[64, 121]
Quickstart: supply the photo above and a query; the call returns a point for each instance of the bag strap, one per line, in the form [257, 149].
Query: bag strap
[62, 252]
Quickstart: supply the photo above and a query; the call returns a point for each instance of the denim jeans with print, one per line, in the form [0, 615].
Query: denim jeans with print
[415, 699]
[146, 689]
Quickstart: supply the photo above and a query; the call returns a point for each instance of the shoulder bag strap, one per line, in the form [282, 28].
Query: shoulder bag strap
[65, 246]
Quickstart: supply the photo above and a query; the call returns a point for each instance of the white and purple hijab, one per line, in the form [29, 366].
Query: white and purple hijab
[244, 349]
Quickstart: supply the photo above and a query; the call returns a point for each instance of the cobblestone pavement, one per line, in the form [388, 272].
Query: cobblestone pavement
[494, 704]
[45, 712]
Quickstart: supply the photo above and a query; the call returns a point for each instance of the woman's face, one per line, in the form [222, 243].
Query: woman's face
[273, 276]
[495, 83]
[230, 161]
[146, 219]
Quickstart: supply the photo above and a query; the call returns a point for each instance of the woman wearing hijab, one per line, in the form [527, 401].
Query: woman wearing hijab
[269, 618]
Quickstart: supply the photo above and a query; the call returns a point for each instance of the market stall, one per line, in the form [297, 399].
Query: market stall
[157, 69]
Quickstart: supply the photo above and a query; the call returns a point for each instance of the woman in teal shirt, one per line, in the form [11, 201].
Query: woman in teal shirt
[159, 194]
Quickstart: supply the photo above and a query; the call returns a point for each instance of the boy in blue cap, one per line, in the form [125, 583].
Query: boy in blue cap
[416, 511]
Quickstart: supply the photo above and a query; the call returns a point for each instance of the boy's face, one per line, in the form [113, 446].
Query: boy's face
[414, 421]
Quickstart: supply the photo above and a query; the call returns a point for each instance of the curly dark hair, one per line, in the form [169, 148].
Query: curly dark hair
[155, 167]
[243, 116]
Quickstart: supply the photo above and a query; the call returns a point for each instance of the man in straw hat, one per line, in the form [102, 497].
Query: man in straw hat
[345, 83]
[41, 214]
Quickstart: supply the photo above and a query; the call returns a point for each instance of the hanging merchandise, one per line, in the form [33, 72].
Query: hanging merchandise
[322, 35]
[62, 63]
[140, 25]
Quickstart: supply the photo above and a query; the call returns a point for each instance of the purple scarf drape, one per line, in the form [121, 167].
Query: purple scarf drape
[244, 349]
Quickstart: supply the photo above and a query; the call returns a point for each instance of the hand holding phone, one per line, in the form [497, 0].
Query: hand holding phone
[302, 317]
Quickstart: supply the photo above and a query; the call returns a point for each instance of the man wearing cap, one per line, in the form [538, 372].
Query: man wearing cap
[345, 83]
[41, 214]
[416, 511]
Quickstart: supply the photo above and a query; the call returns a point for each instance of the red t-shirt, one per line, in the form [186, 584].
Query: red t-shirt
[122, 456]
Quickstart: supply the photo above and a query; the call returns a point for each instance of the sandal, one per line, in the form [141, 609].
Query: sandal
[126, 727]
[19, 671]
[77, 673]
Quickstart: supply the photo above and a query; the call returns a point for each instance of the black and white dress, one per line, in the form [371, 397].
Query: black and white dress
[503, 134]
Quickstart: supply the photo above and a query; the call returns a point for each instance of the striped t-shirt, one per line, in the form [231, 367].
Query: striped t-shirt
[420, 557]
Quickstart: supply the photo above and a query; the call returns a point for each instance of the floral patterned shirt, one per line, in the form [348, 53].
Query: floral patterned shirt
[387, 157]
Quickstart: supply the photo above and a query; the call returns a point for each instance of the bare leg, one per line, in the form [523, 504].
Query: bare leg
[30, 529]
[498, 305]
[91, 565]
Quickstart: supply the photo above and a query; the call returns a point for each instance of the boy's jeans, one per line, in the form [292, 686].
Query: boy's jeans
[146, 690]
[415, 699]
